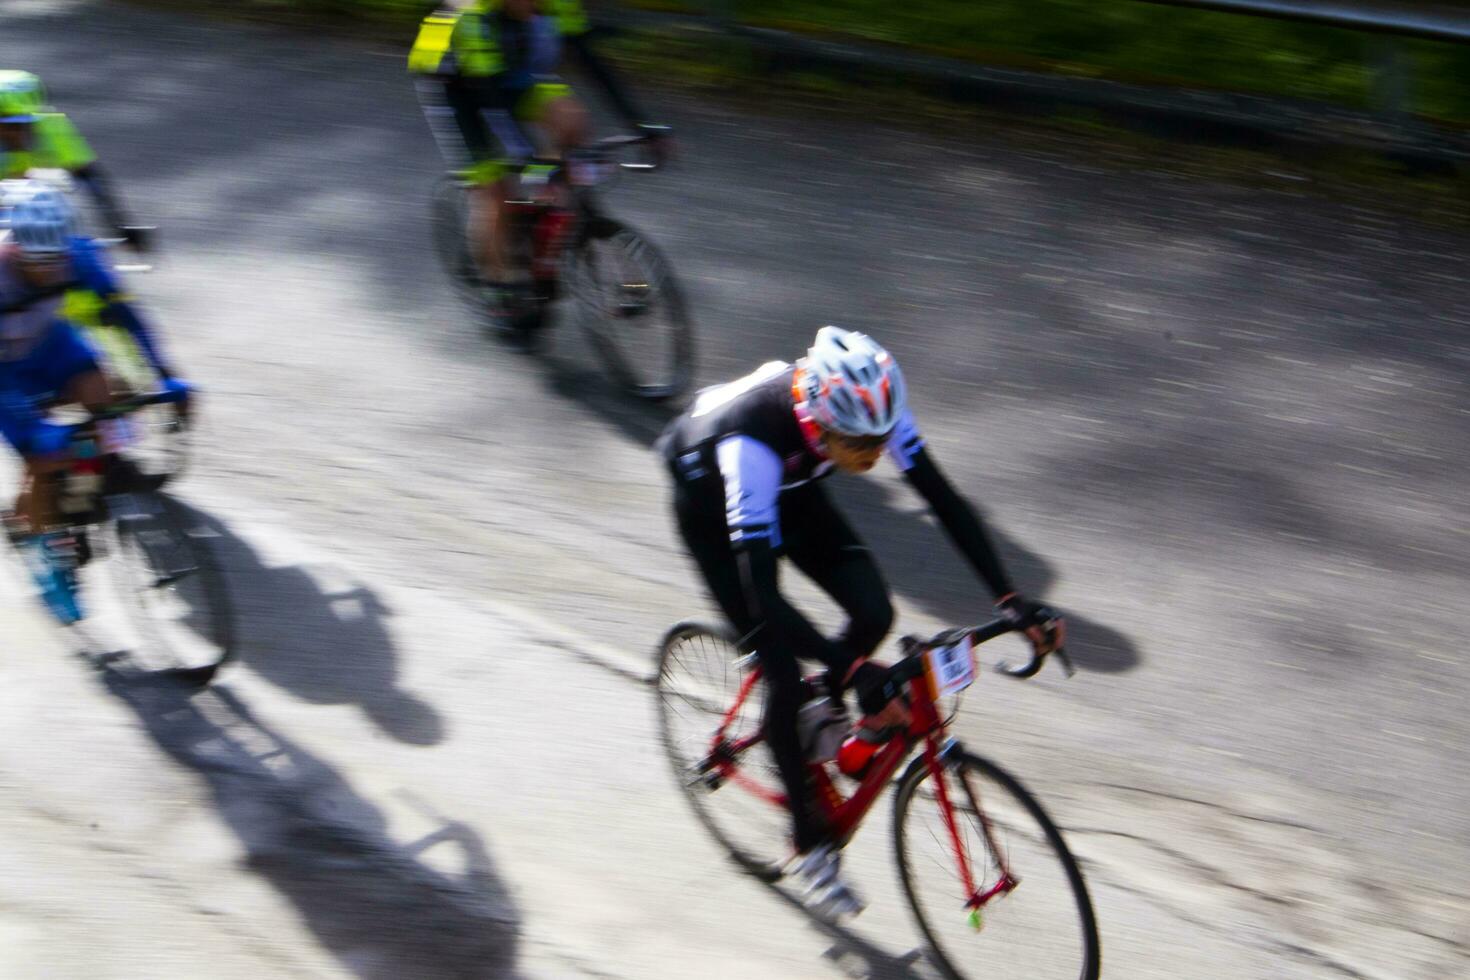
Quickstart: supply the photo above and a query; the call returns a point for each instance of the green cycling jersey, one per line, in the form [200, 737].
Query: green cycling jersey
[54, 143]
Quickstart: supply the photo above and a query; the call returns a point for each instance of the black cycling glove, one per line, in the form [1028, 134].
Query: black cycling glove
[1022, 613]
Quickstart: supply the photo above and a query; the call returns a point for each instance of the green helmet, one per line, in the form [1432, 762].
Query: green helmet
[21, 96]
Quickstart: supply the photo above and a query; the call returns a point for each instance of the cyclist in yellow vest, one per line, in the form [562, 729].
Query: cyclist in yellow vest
[35, 137]
[486, 72]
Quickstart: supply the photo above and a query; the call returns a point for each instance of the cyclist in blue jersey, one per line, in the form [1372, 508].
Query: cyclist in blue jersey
[746, 461]
[46, 272]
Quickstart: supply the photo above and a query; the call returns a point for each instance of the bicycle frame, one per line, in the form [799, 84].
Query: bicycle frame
[845, 814]
[571, 206]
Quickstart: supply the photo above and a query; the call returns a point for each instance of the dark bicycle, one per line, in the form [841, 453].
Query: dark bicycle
[134, 540]
[987, 874]
[627, 296]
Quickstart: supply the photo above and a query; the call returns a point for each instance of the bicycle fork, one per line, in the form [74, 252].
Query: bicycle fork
[936, 759]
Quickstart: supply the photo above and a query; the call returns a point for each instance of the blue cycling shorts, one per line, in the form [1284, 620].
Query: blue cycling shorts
[29, 384]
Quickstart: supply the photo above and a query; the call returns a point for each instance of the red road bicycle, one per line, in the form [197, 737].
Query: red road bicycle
[627, 297]
[985, 871]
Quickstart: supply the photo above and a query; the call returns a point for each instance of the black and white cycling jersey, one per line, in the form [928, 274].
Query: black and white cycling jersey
[747, 432]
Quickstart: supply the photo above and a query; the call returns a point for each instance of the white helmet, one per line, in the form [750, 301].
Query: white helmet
[40, 219]
[851, 385]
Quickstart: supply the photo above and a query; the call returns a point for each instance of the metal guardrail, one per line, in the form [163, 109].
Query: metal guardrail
[1437, 22]
[1391, 129]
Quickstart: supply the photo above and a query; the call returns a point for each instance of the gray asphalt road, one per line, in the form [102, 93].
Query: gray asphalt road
[1222, 426]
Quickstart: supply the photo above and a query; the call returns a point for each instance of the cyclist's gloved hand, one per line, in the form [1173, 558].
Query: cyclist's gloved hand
[1043, 627]
[177, 392]
[175, 389]
[660, 142]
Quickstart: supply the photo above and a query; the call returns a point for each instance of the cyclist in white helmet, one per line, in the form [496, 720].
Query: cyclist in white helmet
[745, 461]
[50, 280]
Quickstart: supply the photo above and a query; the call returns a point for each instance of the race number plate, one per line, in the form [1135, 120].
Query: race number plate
[115, 435]
[952, 668]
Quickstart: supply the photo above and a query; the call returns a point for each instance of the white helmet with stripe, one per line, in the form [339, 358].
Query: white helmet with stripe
[40, 219]
[852, 385]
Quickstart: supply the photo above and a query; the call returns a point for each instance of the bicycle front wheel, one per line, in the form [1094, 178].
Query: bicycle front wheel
[633, 308]
[449, 218]
[171, 590]
[700, 679]
[1042, 928]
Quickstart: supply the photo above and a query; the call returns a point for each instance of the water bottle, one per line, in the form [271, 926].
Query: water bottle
[82, 481]
[858, 750]
[822, 724]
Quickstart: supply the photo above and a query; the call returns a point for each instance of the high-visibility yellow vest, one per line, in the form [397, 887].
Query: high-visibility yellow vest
[466, 42]
[55, 144]
[571, 19]
[431, 48]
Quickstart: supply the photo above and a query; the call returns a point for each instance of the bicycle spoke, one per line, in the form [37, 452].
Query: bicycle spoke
[1033, 920]
[632, 306]
[697, 689]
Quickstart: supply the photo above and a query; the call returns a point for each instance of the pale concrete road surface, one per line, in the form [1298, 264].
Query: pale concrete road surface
[1224, 427]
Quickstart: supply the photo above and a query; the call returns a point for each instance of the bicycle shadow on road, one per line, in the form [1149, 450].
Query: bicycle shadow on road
[370, 900]
[571, 370]
[872, 963]
[317, 633]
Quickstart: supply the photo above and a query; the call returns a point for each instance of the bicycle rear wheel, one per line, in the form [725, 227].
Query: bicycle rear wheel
[633, 308]
[171, 590]
[698, 682]
[1042, 929]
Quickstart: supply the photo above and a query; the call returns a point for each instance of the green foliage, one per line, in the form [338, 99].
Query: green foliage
[355, 13]
[1121, 39]
[1133, 41]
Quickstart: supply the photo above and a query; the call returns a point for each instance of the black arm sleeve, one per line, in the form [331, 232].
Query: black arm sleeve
[960, 521]
[780, 625]
[603, 73]
[100, 187]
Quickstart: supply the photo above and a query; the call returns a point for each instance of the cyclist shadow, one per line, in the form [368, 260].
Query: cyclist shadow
[317, 633]
[937, 578]
[370, 900]
[875, 963]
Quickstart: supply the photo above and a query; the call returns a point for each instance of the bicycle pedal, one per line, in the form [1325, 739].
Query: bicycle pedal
[173, 577]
